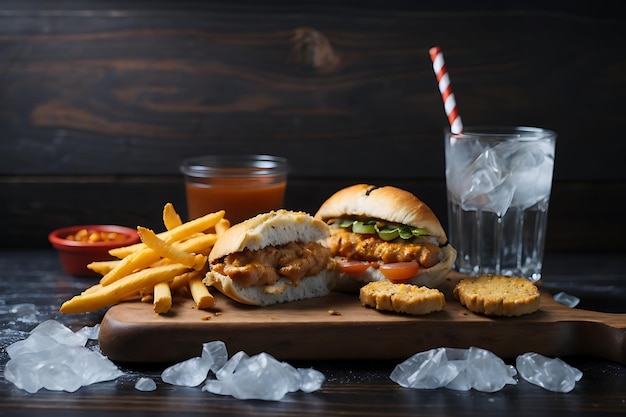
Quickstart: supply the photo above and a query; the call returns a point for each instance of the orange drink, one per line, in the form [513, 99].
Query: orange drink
[242, 185]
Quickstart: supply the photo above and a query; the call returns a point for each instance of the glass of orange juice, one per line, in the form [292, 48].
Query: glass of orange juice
[242, 185]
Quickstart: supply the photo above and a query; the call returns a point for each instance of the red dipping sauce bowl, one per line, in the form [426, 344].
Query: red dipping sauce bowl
[75, 255]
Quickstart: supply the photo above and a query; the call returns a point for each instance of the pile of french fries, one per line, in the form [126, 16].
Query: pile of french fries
[162, 264]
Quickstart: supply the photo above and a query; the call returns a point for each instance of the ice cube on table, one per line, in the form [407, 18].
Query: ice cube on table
[215, 352]
[487, 372]
[193, 371]
[231, 365]
[90, 332]
[426, 370]
[33, 344]
[60, 333]
[93, 366]
[261, 377]
[189, 373]
[566, 299]
[458, 369]
[55, 358]
[59, 377]
[22, 371]
[552, 374]
[310, 379]
[145, 384]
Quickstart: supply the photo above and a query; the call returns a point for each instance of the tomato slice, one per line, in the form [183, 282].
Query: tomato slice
[399, 271]
[353, 268]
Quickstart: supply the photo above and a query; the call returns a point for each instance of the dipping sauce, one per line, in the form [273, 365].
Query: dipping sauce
[80, 245]
[240, 198]
[242, 185]
[94, 236]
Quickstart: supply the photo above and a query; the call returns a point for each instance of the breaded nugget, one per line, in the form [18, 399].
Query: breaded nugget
[497, 295]
[401, 298]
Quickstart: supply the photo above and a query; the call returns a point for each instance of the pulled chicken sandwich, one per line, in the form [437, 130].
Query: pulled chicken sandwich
[272, 258]
[385, 234]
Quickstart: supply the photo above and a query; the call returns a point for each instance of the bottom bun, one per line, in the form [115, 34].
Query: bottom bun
[282, 291]
[428, 277]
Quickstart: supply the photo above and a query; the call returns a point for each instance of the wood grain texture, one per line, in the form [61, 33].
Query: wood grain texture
[351, 388]
[306, 330]
[104, 99]
[134, 90]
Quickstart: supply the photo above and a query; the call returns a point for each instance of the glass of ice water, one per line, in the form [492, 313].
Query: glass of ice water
[498, 181]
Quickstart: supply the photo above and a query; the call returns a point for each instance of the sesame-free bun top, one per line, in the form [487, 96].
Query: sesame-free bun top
[269, 229]
[384, 203]
[393, 205]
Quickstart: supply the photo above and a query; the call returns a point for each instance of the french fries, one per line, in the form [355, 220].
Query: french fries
[200, 292]
[165, 250]
[120, 289]
[103, 267]
[200, 244]
[162, 297]
[143, 258]
[171, 219]
[181, 281]
[158, 268]
[181, 232]
[221, 226]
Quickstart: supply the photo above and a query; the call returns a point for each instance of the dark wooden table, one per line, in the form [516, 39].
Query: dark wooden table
[352, 388]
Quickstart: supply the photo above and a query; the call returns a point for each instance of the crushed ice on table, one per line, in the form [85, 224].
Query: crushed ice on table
[189, 373]
[145, 384]
[550, 374]
[259, 377]
[90, 332]
[193, 371]
[310, 379]
[457, 369]
[262, 377]
[25, 312]
[230, 366]
[54, 357]
[566, 299]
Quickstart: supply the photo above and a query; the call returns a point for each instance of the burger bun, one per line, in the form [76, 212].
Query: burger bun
[274, 228]
[393, 205]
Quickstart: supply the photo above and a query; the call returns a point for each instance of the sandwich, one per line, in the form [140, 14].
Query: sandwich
[385, 234]
[271, 258]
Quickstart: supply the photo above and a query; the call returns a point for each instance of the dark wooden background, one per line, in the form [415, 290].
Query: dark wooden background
[101, 100]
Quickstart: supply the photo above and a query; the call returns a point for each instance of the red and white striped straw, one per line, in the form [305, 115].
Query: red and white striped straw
[449, 103]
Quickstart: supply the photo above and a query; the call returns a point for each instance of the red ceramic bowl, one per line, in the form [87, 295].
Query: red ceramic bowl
[76, 255]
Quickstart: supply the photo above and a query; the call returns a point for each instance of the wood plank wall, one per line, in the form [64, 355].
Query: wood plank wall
[101, 100]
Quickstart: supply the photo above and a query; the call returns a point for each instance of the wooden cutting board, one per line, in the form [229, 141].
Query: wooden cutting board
[338, 327]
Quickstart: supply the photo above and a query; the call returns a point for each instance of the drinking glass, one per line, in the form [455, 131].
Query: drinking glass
[498, 182]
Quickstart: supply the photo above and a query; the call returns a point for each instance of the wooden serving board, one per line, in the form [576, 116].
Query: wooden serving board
[338, 327]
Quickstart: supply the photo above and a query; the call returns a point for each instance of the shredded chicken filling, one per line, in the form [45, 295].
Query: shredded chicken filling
[293, 260]
[364, 247]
